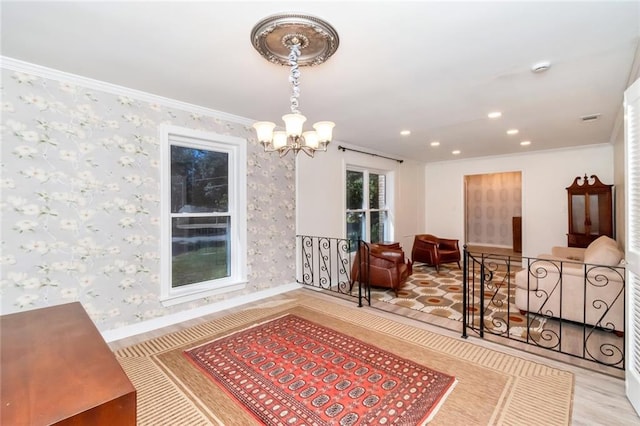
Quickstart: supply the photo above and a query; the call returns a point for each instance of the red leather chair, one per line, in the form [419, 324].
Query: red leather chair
[435, 251]
[386, 267]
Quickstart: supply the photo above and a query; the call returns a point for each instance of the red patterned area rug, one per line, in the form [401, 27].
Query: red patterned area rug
[492, 388]
[293, 371]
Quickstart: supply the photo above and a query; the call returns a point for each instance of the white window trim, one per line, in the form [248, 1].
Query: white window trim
[237, 150]
[390, 189]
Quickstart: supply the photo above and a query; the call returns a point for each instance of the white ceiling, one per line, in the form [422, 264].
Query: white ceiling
[435, 68]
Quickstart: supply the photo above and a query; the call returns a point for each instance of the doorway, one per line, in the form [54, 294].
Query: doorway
[493, 210]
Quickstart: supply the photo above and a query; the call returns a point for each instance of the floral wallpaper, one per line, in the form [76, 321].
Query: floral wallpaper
[80, 200]
[493, 199]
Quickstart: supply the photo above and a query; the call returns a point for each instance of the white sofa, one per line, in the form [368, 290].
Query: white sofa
[591, 288]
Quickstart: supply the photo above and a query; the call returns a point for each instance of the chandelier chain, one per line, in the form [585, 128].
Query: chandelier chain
[294, 76]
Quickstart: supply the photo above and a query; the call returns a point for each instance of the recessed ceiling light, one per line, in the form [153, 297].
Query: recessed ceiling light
[456, 152]
[405, 132]
[541, 66]
[525, 143]
[495, 114]
[435, 143]
[512, 131]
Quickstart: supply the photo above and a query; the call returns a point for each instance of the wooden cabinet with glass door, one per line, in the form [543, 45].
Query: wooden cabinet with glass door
[590, 210]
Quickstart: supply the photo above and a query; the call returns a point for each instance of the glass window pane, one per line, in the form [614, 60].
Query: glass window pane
[355, 228]
[378, 226]
[578, 213]
[199, 180]
[200, 249]
[354, 190]
[594, 215]
[377, 191]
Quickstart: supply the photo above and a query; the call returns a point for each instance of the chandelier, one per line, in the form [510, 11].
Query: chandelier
[295, 40]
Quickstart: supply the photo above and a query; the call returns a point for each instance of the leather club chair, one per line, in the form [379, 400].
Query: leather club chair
[435, 251]
[387, 267]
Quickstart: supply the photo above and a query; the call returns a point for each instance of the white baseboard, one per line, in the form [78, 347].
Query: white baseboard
[167, 320]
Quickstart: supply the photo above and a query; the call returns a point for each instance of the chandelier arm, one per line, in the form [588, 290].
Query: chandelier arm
[268, 147]
[294, 75]
[285, 150]
[322, 147]
[309, 151]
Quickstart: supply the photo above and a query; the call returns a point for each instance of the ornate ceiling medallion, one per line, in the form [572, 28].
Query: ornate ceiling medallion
[273, 37]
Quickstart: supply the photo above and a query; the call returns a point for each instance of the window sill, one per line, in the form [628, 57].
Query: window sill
[175, 299]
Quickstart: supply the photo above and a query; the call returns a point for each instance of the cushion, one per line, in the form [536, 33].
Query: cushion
[603, 253]
[525, 281]
[595, 245]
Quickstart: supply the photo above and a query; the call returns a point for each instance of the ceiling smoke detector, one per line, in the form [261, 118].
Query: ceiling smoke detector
[540, 67]
[590, 118]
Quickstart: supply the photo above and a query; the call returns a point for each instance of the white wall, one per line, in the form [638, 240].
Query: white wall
[320, 204]
[319, 194]
[410, 203]
[545, 176]
[431, 198]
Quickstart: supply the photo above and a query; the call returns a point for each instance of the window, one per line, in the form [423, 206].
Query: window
[367, 214]
[203, 205]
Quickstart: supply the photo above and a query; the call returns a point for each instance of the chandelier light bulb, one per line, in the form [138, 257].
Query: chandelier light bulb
[325, 130]
[311, 139]
[279, 139]
[293, 124]
[264, 131]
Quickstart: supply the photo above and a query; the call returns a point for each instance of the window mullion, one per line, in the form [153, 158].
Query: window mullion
[365, 205]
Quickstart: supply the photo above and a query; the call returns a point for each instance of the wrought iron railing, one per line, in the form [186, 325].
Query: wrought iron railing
[563, 306]
[326, 264]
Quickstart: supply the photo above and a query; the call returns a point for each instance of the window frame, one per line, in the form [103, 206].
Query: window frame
[367, 171]
[236, 149]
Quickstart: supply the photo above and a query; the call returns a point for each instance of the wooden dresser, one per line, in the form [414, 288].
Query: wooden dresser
[57, 369]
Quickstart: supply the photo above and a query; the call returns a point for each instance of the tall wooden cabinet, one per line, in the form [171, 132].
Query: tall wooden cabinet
[590, 210]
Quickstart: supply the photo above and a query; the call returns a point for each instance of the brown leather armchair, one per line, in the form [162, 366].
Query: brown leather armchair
[435, 251]
[386, 267]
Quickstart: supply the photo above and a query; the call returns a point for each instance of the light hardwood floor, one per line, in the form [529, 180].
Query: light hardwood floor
[572, 338]
[599, 399]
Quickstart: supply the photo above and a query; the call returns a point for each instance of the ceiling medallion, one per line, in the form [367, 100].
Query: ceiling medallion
[273, 36]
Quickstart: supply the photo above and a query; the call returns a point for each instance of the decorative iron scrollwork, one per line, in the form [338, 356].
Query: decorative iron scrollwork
[598, 337]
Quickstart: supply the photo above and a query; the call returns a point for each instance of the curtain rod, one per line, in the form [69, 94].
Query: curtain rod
[343, 148]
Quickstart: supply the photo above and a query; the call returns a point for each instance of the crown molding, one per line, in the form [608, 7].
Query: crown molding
[50, 73]
[523, 153]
